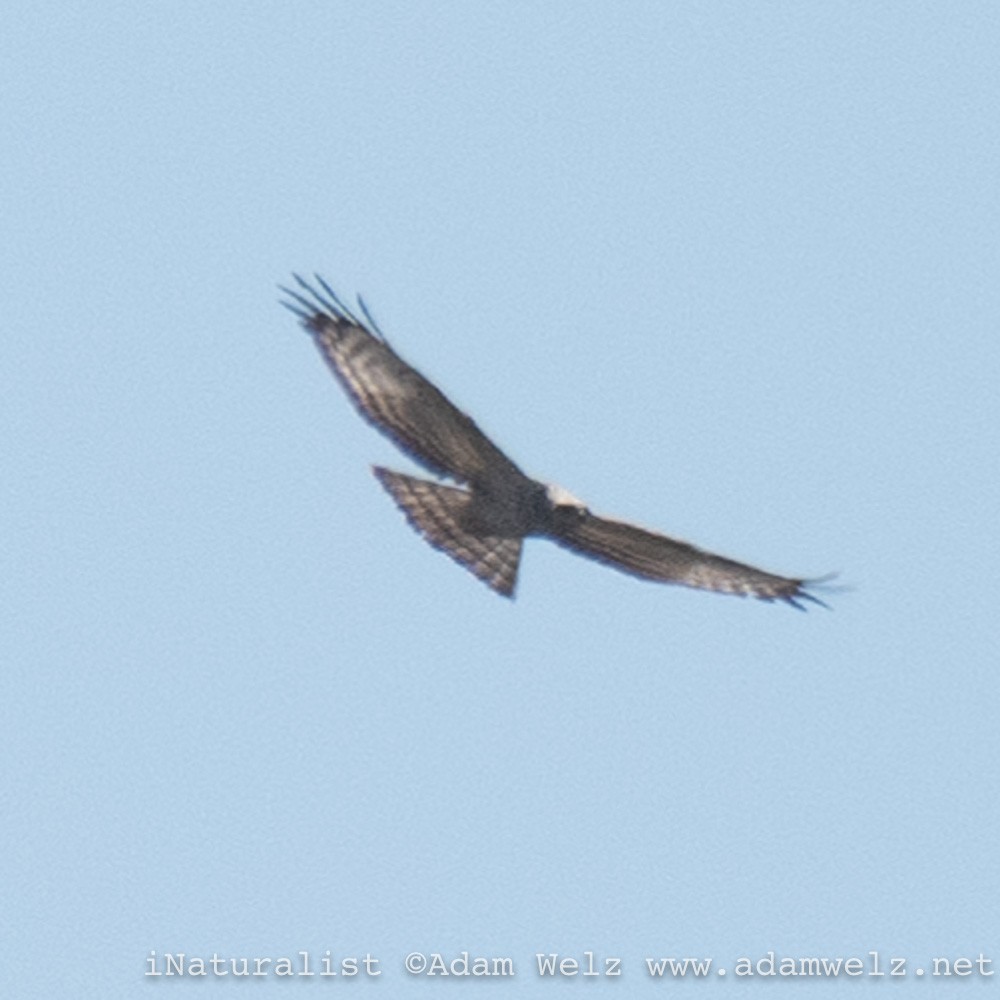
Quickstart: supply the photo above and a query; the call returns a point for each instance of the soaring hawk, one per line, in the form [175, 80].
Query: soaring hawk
[483, 521]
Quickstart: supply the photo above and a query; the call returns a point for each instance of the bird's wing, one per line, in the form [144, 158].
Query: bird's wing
[392, 396]
[645, 554]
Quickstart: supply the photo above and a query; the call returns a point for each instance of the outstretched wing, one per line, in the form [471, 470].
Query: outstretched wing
[394, 397]
[645, 554]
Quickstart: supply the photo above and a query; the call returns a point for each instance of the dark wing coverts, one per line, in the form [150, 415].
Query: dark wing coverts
[394, 397]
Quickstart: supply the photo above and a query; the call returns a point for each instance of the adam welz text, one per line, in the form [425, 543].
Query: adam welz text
[552, 965]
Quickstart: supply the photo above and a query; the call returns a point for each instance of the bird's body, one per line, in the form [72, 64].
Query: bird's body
[482, 522]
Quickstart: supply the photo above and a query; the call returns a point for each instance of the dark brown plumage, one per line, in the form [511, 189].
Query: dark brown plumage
[482, 522]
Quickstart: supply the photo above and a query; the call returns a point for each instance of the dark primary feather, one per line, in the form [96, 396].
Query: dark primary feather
[395, 397]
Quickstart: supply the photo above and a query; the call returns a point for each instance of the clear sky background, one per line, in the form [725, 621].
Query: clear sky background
[729, 270]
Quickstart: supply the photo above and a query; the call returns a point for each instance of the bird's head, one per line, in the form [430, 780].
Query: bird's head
[562, 503]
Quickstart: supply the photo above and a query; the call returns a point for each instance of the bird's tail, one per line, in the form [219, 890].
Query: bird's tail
[440, 514]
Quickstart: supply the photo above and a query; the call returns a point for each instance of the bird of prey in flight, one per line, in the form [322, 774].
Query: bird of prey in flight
[482, 521]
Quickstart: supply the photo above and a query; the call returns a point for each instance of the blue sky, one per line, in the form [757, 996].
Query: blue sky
[729, 270]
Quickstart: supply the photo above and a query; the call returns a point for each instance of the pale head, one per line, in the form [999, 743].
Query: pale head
[559, 497]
